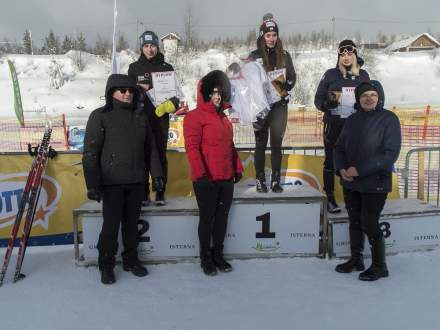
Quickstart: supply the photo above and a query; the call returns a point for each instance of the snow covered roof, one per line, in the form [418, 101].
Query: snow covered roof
[171, 35]
[408, 41]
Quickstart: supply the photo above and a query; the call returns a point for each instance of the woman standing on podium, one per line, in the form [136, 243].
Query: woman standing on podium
[277, 63]
[215, 166]
[335, 97]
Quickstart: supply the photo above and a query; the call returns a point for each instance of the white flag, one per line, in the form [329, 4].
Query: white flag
[115, 62]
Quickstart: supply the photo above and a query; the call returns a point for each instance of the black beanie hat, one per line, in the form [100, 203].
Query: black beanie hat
[362, 88]
[268, 26]
[149, 37]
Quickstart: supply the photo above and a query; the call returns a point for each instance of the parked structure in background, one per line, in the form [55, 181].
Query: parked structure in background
[171, 43]
[423, 41]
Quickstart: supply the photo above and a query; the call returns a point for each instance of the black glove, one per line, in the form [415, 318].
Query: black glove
[176, 102]
[94, 195]
[237, 177]
[158, 184]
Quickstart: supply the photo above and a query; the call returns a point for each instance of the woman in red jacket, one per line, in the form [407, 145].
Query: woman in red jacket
[215, 166]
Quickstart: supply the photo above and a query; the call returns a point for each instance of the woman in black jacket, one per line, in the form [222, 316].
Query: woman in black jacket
[271, 54]
[364, 155]
[343, 78]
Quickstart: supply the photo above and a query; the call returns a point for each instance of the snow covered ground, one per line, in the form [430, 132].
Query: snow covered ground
[409, 79]
[294, 293]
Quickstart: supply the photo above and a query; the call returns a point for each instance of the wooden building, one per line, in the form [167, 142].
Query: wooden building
[423, 41]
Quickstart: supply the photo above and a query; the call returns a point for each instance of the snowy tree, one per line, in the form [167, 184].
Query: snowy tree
[102, 46]
[56, 77]
[251, 37]
[381, 38]
[51, 44]
[68, 44]
[122, 43]
[27, 42]
[80, 43]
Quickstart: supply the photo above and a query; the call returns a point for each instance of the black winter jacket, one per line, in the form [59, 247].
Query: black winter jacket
[118, 142]
[140, 71]
[371, 142]
[334, 81]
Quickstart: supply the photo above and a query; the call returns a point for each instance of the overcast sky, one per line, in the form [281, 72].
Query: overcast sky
[214, 17]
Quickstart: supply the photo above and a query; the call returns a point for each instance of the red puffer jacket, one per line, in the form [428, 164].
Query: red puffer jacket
[209, 142]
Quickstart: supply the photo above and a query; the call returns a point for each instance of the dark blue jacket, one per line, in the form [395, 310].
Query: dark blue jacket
[369, 141]
[333, 81]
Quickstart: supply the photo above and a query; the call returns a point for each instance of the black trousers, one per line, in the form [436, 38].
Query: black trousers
[160, 128]
[364, 211]
[214, 199]
[275, 124]
[121, 205]
[332, 129]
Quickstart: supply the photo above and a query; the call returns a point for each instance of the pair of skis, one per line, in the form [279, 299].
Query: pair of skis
[28, 203]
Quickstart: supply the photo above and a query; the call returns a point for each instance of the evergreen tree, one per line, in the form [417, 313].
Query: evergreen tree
[122, 43]
[51, 44]
[68, 44]
[102, 46]
[27, 42]
[80, 43]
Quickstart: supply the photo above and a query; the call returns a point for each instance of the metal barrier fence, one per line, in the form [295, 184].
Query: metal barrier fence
[420, 128]
[421, 174]
[14, 138]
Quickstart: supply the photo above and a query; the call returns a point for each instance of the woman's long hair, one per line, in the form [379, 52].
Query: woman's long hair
[280, 62]
[355, 67]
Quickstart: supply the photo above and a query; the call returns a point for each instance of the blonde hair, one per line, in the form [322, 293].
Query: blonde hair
[355, 68]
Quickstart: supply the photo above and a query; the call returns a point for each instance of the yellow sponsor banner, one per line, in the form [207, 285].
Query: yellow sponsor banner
[295, 170]
[64, 189]
[175, 135]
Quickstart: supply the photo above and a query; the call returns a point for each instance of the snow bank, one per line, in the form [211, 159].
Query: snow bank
[408, 78]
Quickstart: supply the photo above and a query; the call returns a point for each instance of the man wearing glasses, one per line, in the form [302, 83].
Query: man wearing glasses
[335, 97]
[117, 150]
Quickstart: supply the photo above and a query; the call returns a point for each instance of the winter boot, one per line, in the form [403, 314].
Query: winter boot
[356, 262]
[378, 268]
[332, 207]
[206, 262]
[261, 183]
[137, 269]
[219, 261]
[160, 198]
[107, 276]
[275, 182]
[329, 188]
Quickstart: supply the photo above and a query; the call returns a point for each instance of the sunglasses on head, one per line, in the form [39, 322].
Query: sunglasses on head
[346, 50]
[124, 90]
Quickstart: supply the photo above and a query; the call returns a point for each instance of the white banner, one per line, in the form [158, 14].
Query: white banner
[253, 229]
[407, 233]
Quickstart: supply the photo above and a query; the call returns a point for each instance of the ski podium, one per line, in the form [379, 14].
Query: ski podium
[260, 225]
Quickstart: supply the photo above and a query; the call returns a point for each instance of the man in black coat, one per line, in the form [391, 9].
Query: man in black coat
[117, 151]
[364, 155]
[152, 60]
